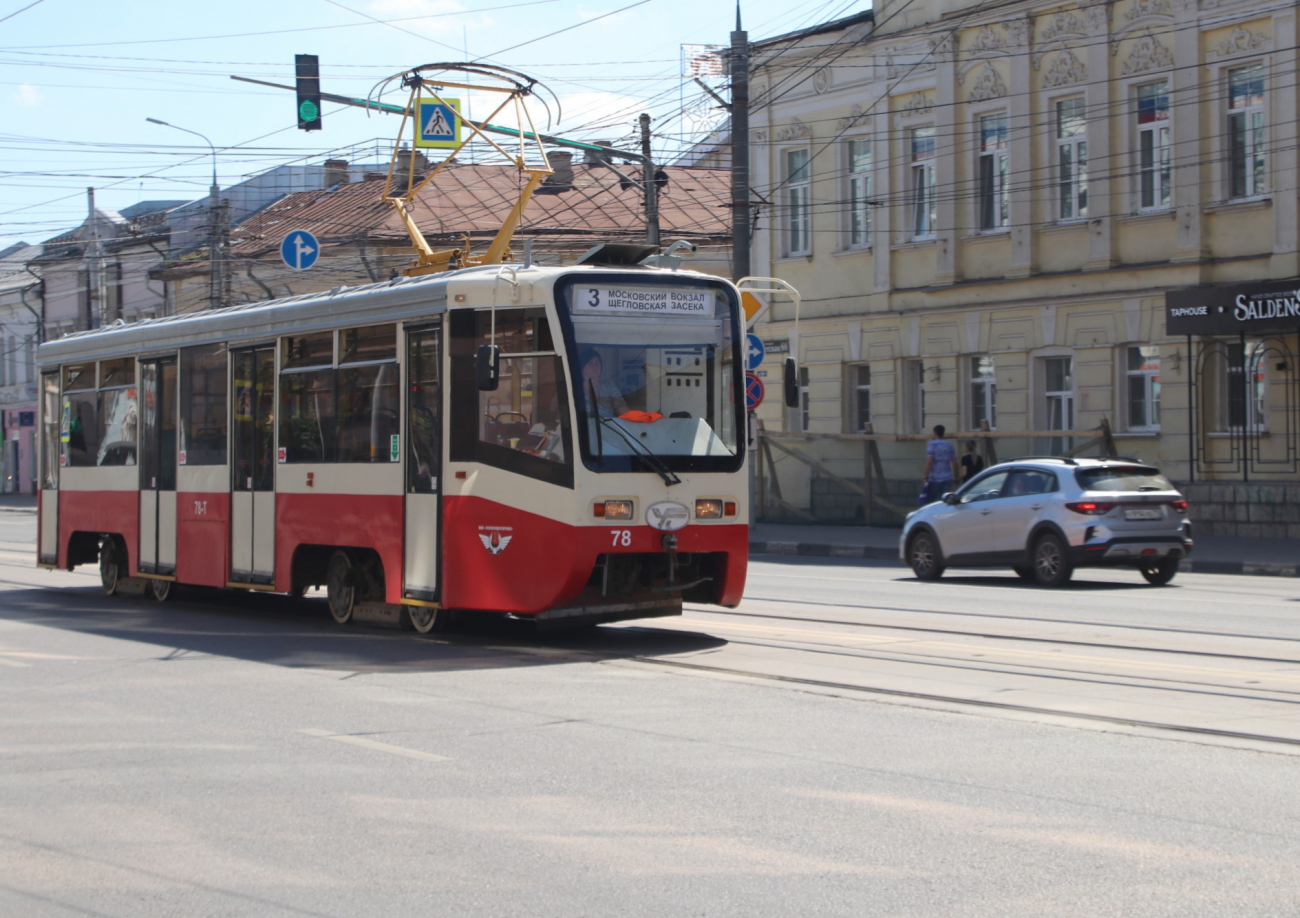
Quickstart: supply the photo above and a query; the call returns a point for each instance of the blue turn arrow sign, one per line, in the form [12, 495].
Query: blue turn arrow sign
[754, 352]
[300, 250]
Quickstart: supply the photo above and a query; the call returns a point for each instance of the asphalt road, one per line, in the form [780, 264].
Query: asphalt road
[849, 742]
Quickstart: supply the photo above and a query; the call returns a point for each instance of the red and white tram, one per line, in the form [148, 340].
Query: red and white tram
[560, 443]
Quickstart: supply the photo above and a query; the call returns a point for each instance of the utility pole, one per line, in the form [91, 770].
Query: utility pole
[97, 277]
[216, 236]
[740, 220]
[651, 187]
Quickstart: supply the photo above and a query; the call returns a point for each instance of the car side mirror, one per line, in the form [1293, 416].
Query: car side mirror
[791, 383]
[487, 367]
[950, 497]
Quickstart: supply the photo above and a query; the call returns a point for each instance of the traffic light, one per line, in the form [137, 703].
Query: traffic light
[307, 68]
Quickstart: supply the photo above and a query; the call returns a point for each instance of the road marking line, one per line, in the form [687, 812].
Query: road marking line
[374, 745]
[15, 664]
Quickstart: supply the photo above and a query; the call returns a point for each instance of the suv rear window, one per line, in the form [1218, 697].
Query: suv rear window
[1122, 478]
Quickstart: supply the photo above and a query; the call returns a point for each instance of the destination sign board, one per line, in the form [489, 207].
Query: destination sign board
[642, 301]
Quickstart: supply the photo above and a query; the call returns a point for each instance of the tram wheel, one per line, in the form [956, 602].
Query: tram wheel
[110, 566]
[423, 619]
[161, 590]
[341, 587]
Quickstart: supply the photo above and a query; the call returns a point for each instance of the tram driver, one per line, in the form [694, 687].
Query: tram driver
[609, 397]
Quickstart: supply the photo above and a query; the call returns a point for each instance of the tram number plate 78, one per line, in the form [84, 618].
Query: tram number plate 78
[622, 537]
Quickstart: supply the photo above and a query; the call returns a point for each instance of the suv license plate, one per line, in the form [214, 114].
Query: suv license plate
[1143, 513]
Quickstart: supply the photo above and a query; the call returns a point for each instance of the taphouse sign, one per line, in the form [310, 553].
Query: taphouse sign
[1230, 309]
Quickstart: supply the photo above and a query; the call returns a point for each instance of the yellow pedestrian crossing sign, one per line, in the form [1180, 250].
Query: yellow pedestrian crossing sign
[438, 124]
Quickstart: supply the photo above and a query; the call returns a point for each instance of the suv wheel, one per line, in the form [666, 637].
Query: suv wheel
[924, 556]
[1160, 572]
[1052, 567]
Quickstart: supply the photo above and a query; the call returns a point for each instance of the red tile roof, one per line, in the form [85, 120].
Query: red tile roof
[475, 199]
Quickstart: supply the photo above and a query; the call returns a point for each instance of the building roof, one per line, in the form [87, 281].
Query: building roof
[13, 262]
[835, 25]
[475, 199]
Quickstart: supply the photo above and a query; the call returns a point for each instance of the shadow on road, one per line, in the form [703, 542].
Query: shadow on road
[283, 631]
[1074, 586]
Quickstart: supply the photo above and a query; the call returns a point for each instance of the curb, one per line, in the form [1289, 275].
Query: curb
[874, 553]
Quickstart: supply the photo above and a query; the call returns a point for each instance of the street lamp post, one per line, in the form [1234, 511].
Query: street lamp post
[216, 274]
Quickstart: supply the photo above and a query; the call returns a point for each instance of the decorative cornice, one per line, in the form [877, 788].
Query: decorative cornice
[919, 102]
[988, 86]
[794, 130]
[1147, 54]
[1066, 69]
[856, 116]
[1241, 41]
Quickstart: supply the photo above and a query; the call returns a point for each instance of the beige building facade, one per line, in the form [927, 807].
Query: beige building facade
[984, 207]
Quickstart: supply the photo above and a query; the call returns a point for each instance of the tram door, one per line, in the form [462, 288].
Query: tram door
[158, 466]
[252, 497]
[51, 449]
[423, 462]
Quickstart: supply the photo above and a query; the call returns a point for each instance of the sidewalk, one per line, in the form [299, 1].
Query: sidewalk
[1211, 555]
[23, 503]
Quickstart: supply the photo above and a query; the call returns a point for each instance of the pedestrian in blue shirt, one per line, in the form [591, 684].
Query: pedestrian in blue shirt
[940, 466]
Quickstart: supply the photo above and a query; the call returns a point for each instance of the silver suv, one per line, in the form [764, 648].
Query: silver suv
[1043, 517]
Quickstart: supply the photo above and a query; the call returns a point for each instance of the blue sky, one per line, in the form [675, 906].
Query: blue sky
[78, 78]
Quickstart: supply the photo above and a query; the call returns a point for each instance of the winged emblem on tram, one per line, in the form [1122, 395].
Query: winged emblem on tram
[495, 543]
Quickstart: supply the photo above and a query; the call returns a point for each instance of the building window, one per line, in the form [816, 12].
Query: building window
[1072, 158]
[995, 203]
[1247, 388]
[859, 397]
[859, 193]
[1153, 146]
[924, 213]
[914, 395]
[798, 201]
[1059, 399]
[1144, 388]
[983, 393]
[1246, 131]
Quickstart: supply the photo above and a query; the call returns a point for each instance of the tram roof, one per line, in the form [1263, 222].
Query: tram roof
[399, 299]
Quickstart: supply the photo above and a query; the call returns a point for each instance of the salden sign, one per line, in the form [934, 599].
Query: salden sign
[1232, 309]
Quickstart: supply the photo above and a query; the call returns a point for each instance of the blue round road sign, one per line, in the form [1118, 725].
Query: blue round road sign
[300, 250]
[754, 352]
[753, 391]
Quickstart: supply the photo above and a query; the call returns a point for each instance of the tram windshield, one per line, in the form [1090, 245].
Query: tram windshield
[655, 373]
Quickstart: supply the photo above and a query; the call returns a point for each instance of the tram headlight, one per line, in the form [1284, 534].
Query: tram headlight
[708, 509]
[613, 509]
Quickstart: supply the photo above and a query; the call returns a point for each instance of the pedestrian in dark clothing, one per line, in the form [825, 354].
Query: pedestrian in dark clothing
[972, 463]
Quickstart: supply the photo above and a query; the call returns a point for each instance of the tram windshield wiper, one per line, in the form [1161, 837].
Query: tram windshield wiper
[640, 450]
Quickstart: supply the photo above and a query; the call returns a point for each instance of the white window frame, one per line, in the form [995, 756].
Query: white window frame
[1156, 137]
[1254, 127]
[1064, 419]
[1076, 185]
[993, 197]
[858, 392]
[798, 199]
[922, 178]
[1148, 378]
[985, 386]
[858, 193]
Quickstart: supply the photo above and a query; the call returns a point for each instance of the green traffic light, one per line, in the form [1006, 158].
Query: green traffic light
[307, 110]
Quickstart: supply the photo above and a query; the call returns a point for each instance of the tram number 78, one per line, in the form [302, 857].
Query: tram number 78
[622, 537]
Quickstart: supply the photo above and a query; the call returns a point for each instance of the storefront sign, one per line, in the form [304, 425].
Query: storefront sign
[1230, 309]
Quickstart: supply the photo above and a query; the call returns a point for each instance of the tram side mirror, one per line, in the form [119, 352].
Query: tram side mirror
[791, 383]
[487, 367]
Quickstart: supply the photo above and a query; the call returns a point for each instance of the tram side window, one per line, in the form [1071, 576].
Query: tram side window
[49, 431]
[79, 431]
[203, 405]
[523, 426]
[344, 412]
[119, 419]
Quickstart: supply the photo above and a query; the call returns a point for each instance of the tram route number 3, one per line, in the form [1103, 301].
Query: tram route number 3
[622, 537]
